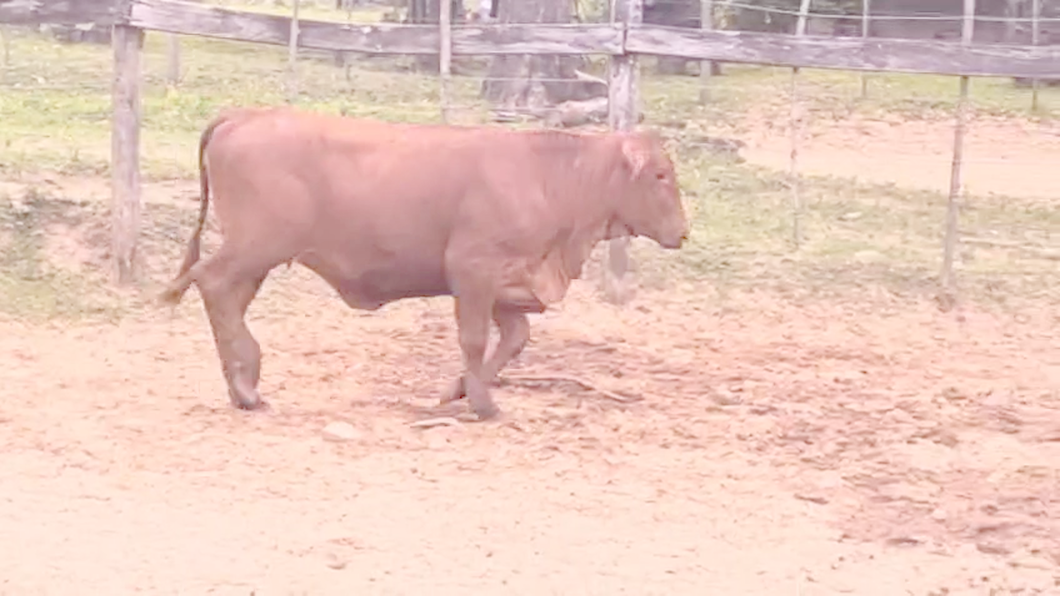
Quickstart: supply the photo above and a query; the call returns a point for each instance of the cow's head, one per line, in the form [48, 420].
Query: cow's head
[649, 202]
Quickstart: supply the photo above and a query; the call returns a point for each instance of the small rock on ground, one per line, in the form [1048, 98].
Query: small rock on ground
[340, 431]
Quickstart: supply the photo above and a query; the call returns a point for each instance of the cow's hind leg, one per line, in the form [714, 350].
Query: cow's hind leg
[227, 286]
[473, 324]
[514, 330]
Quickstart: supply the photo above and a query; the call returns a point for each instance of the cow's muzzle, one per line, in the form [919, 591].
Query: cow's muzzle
[674, 240]
[674, 243]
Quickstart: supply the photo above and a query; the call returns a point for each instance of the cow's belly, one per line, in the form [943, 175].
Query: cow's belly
[386, 278]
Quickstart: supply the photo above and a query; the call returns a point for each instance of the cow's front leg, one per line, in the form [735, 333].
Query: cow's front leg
[514, 334]
[473, 327]
[514, 327]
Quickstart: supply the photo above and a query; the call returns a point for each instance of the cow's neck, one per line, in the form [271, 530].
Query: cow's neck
[589, 202]
[578, 247]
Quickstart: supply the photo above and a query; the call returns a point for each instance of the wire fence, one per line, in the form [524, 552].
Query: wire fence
[946, 12]
[864, 204]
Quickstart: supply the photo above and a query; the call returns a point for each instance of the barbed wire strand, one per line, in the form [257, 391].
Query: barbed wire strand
[935, 16]
[344, 15]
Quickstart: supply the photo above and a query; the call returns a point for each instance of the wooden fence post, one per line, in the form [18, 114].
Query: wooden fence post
[622, 115]
[292, 56]
[795, 118]
[5, 41]
[1036, 13]
[445, 53]
[866, 16]
[706, 22]
[948, 294]
[172, 59]
[125, 151]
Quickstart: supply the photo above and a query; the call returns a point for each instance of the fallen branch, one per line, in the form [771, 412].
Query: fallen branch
[1036, 250]
[433, 422]
[588, 78]
[577, 113]
[995, 243]
[532, 379]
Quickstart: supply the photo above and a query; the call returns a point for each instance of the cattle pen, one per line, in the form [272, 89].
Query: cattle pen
[848, 381]
[621, 39]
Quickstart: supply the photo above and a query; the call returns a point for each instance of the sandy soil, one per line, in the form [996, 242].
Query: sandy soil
[779, 448]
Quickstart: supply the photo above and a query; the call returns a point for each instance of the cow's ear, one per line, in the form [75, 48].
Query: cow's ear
[635, 154]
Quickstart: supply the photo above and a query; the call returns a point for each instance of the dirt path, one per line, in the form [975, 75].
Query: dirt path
[1002, 156]
[780, 449]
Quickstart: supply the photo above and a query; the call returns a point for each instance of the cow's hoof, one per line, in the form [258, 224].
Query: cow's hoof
[259, 406]
[454, 392]
[489, 411]
[481, 402]
[249, 402]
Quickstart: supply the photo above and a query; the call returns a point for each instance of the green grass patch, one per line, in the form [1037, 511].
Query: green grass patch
[830, 94]
[33, 284]
[856, 238]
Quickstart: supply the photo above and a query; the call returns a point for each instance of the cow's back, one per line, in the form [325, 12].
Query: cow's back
[369, 205]
[375, 208]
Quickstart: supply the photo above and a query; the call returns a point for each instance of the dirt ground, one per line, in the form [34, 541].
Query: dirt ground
[1002, 156]
[779, 447]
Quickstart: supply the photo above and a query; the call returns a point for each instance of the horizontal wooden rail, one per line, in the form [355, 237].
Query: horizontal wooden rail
[841, 53]
[56, 12]
[209, 21]
[847, 53]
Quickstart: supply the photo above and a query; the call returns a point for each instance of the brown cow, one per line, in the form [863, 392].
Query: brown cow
[502, 220]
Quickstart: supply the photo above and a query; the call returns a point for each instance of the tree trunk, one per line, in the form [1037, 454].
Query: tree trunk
[525, 80]
[426, 12]
[1015, 9]
[672, 13]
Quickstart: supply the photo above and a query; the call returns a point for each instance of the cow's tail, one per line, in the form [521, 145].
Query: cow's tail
[180, 284]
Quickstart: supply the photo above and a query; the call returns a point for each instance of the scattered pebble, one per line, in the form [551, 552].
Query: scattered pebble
[724, 397]
[868, 256]
[340, 431]
[334, 562]
[993, 548]
[903, 541]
